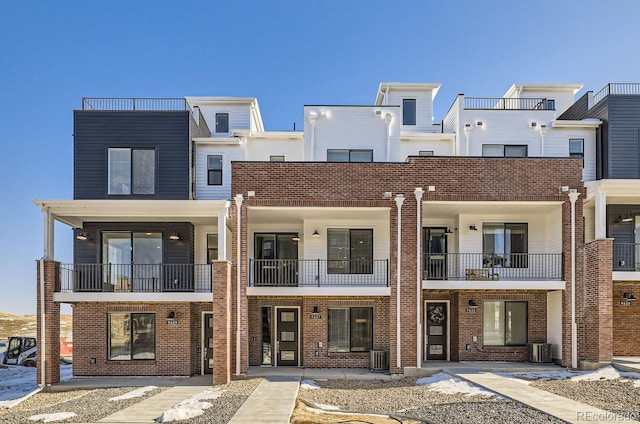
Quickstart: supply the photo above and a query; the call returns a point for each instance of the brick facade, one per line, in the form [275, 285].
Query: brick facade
[48, 269]
[626, 332]
[221, 322]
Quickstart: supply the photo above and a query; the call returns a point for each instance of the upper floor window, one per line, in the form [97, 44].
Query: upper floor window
[212, 248]
[425, 153]
[132, 171]
[505, 245]
[349, 251]
[222, 122]
[551, 104]
[576, 148]
[408, 111]
[505, 150]
[276, 158]
[214, 170]
[345, 155]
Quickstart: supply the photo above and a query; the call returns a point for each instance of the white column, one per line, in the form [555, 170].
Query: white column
[418, 192]
[387, 120]
[238, 200]
[399, 202]
[601, 215]
[222, 236]
[48, 242]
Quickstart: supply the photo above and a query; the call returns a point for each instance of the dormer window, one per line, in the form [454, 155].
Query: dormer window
[408, 111]
[222, 122]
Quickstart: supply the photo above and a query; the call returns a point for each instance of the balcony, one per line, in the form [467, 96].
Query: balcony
[318, 273]
[624, 89]
[493, 267]
[132, 103]
[134, 278]
[626, 257]
[507, 103]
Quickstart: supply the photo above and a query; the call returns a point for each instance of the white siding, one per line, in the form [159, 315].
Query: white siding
[563, 99]
[262, 149]
[554, 318]
[200, 244]
[229, 153]
[239, 117]
[424, 109]
[556, 144]
[412, 148]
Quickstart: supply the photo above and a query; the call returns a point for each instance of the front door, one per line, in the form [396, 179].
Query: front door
[287, 337]
[436, 331]
[207, 342]
[435, 245]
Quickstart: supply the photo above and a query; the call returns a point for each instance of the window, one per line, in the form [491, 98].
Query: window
[505, 323]
[214, 170]
[551, 104]
[278, 158]
[222, 122]
[344, 155]
[133, 260]
[349, 251]
[576, 148]
[504, 150]
[408, 111]
[131, 336]
[505, 245]
[212, 247]
[132, 171]
[425, 153]
[350, 329]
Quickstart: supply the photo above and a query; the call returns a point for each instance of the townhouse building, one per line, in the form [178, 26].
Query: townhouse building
[373, 237]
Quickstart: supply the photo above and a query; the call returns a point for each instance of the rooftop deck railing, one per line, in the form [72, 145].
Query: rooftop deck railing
[133, 103]
[501, 103]
[134, 278]
[620, 88]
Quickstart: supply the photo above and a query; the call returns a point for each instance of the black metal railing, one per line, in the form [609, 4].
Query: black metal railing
[318, 272]
[480, 266]
[133, 103]
[618, 88]
[626, 257]
[128, 278]
[501, 103]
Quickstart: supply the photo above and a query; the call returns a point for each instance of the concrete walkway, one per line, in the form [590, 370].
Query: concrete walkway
[147, 410]
[558, 406]
[271, 402]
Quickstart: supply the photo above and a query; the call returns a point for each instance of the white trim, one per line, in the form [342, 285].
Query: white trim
[319, 291]
[270, 135]
[493, 285]
[625, 276]
[202, 340]
[277, 345]
[217, 140]
[132, 297]
[426, 302]
[585, 123]
[518, 87]
[404, 136]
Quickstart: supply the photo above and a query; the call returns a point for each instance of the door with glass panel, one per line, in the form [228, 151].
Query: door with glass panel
[436, 342]
[287, 337]
[435, 245]
[131, 261]
[207, 351]
[276, 260]
[637, 243]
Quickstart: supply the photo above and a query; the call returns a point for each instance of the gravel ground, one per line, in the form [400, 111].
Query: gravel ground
[404, 397]
[89, 405]
[611, 395]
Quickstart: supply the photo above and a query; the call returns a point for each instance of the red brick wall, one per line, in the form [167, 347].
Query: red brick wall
[221, 322]
[52, 324]
[626, 331]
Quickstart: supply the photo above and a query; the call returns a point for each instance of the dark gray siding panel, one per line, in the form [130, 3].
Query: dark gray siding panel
[624, 137]
[622, 232]
[578, 110]
[96, 131]
[174, 251]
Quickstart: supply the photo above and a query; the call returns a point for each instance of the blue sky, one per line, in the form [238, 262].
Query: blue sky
[285, 53]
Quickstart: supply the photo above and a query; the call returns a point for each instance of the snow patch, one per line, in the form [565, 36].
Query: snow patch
[309, 384]
[191, 407]
[18, 381]
[133, 394]
[606, 373]
[49, 418]
[327, 407]
[447, 384]
[539, 375]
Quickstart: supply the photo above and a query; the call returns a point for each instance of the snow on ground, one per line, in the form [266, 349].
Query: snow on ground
[17, 381]
[605, 373]
[308, 384]
[134, 393]
[448, 384]
[191, 407]
[49, 418]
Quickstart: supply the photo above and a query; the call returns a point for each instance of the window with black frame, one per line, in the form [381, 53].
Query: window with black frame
[132, 336]
[505, 323]
[131, 171]
[350, 329]
[214, 170]
[349, 251]
[505, 245]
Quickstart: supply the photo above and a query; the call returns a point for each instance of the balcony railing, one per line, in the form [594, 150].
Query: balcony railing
[134, 278]
[132, 103]
[479, 266]
[317, 272]
[626, 257]
[501, 103]
[625, 89]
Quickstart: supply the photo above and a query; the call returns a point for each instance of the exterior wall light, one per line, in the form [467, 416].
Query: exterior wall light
[174, 236]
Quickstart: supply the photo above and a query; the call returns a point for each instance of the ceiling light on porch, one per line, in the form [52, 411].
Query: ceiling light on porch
[450, 230]
[629, 296]
[296, 238]
[627, 218]
[315, 234]
[82, 235]
[174, 236]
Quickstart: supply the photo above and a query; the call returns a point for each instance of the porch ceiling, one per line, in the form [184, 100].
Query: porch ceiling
[452, 209]
[288, 215]
[75, 212]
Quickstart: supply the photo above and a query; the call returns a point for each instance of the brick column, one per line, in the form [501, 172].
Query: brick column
[595, 309]
[221, 287]
[52, 323]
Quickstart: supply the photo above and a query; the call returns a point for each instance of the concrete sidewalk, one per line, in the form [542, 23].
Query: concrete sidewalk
[271, 402]
[148, 410]
[558, 406]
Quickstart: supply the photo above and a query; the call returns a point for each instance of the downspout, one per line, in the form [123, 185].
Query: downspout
[418, 192]
[387, 120]
[542, 129]
[399, 201]
[573, 196]
[313, 118]
[238, 200]
[467, 136]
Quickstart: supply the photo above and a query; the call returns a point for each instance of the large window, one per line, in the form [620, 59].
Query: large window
[576, 148]
[222, 122]
[345, 155]
[408, 111]
[132, 260]
[349, 251]
[131, 336]
[505, 245]
[505, 323]
[504, 150]
[350, 329]
[132, 171]
[214, 170]
[212, 248]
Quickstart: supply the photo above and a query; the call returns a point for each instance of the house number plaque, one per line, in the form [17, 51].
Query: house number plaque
[315, 316]
[625, 303]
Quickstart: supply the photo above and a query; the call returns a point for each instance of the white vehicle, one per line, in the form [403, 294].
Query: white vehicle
[21, 351]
